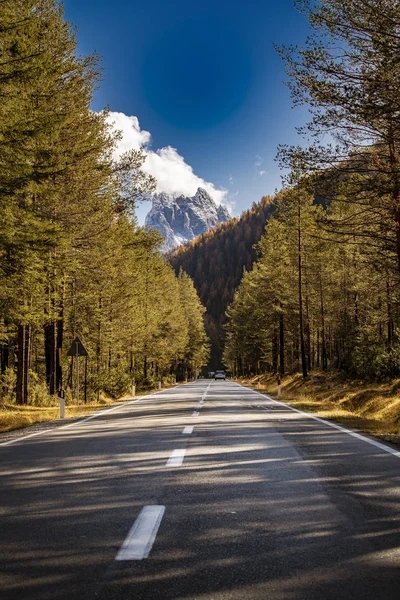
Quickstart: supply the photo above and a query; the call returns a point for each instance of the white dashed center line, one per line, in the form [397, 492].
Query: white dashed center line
[188, 429]
[176, 458]
[200, 404]
[141, 536]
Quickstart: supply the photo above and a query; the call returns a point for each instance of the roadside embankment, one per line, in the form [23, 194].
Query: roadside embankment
[373, 408]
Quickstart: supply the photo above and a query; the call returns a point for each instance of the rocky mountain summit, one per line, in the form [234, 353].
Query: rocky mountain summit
[181, 219]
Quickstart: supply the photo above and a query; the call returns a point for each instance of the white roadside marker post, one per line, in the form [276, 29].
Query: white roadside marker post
[62, 404]
[133, 388]
[159, 385]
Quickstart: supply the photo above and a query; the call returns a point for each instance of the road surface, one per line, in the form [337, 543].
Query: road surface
[206, 491]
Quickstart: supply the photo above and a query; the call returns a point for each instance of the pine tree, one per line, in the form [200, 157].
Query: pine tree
[72, 258]
[348, 74]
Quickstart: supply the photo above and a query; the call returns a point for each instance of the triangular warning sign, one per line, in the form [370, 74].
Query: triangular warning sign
[77, 348]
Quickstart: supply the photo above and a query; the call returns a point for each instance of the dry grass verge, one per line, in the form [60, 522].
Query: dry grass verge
[368, 407]
[14, 416]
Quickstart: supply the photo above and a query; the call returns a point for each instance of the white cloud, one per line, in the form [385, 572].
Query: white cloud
[174, 176]
[231, 179]
[263, 173]
[133, 138]
[258, 160]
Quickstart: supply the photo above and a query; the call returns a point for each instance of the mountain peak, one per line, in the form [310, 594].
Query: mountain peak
[180, 220]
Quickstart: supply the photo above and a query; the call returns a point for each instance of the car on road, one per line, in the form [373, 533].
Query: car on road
[220, 375]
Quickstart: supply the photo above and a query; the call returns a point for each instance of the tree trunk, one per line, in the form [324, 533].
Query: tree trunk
[397, 219]
[20, 365]
[323, 340]
[389, 315]
[23, 357]
[27, 360]
[98, 351]
[302, 345]
[5, 353]
[275, 351]
[70, 374]
[356, 310]
[282, 344]
[50, 355]
[59, 345]
[60, 333]
[308, 336]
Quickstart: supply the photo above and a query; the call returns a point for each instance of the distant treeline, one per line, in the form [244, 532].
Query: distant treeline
[73, 262]
[216, 260]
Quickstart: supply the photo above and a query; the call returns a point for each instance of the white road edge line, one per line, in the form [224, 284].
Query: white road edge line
[333, 425]
[176, 458]
[188, 429]
[98, 414]
[140, 539]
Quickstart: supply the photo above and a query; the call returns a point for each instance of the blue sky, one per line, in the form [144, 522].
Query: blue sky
[201, 78]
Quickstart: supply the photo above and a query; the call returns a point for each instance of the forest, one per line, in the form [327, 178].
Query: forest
[307, 279]
[73, 261]
[216, 261]
[324, 292]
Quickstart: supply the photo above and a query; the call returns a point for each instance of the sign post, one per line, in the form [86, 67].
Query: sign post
[78, 349]
[85, 392]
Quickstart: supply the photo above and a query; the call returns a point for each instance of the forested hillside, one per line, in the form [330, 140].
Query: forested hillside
[325, 292]
[216, 260]
[73, 262]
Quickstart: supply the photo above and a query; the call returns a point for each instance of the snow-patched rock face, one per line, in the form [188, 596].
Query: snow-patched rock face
[180, 220]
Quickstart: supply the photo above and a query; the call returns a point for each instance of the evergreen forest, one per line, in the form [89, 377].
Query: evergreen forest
[307, 279]
[324, 292]
[73, 261]
[216, 261]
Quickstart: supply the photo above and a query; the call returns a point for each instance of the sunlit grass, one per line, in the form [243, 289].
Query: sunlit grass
[369, 407]
[14, 416]
[17, 417]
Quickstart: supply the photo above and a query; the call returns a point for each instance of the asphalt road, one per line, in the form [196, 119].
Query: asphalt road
[256, 502]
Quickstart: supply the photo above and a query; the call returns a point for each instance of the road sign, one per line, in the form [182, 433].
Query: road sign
[77, 348]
